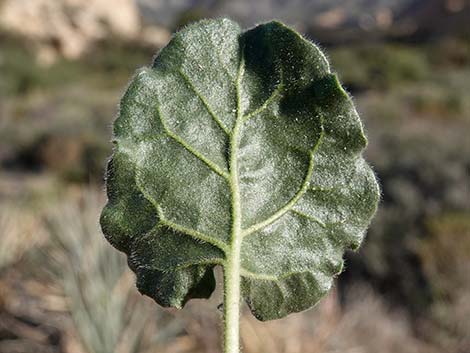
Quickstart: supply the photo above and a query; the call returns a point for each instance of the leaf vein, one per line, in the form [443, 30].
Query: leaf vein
[266, 103]
[286, 208]
[194, 234]
[212, 165]
[307, 216]
[266, 277]
[199, 263]
[177, 227]
[204, 102]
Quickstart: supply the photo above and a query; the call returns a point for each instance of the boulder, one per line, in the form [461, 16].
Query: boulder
[68, 27]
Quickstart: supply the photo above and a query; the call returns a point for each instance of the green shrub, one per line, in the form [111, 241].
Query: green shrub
[423, 171]
[380, 66]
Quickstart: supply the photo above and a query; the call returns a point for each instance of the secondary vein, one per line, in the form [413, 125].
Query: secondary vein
[287, 207]
[213, 166]
[204, 102]
[266, 277]
[177, 227]
[307, 216]
[194, 234]
[266, 103]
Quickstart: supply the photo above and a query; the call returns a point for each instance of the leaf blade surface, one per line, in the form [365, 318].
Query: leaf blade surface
[227, 120]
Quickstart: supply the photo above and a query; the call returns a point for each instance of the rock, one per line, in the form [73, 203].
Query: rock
[68, 27]
[154, 36]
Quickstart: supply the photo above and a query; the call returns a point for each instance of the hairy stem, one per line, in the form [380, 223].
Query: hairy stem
[232, 265]
[232, 304]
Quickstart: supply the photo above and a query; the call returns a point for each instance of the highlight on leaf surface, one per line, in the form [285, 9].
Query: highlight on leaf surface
[238, 143]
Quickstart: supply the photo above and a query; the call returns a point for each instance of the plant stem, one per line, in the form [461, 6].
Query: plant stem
[232, 264]
[232, 303]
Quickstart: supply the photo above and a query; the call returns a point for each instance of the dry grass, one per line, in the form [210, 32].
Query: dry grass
[19, 231]
[108, 315]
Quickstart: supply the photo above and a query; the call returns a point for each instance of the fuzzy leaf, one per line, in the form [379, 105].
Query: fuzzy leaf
[226, 118]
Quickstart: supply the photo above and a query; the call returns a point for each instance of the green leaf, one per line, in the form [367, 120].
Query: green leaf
[242, 149]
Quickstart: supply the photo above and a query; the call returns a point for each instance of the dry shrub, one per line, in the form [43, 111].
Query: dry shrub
[364, 325]
[368, 325]
[445, 254]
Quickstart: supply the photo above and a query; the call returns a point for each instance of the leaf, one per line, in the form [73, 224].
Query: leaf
[238, 143]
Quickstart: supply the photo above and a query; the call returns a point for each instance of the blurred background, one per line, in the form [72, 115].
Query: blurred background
[64, 65]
